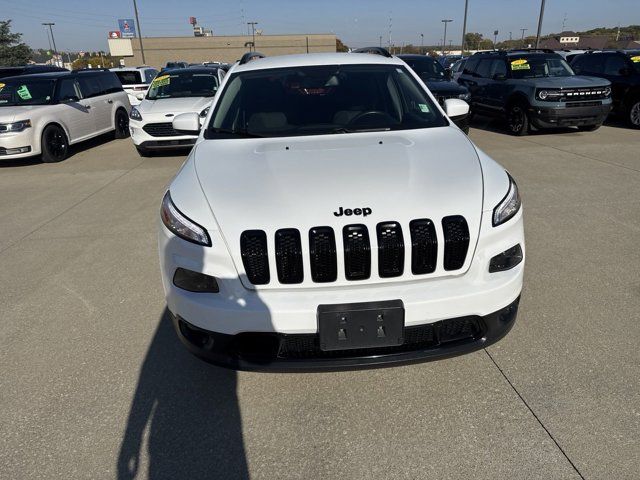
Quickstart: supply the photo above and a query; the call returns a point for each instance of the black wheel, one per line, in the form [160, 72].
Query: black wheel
[589, 128]
[55, 146]
[517, 119]
[122, 124]
[143, 152]
[634, 113]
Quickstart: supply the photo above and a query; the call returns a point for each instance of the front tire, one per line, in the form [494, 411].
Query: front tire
[517, 119]
[634, 113]
[121, 123]
[55, 146]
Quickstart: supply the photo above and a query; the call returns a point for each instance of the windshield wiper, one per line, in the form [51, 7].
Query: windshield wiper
[238, 132]
[360, 130]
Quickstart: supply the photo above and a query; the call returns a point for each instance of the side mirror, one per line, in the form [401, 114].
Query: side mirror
[499, 76]
[455, 107]
[447, 73]
[70, 99]
[140, 96]
[187, 123]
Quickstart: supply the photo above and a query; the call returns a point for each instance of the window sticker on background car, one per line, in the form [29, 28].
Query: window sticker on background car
[636, 59]
[161, 81]
[24, 93]
[520, 64]
[424, 107]
[1, 86]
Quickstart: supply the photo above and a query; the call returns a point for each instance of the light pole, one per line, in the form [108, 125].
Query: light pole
[523, 30]
[135, 10]
[444, 42]
[464, 24]
[422, 43]
[540, 23]
[253, 33]
[380, 41]
[55, 50]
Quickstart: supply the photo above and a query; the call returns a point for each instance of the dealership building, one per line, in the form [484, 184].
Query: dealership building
[160, 50]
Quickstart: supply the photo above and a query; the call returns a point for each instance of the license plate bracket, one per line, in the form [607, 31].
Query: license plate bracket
[351, 326]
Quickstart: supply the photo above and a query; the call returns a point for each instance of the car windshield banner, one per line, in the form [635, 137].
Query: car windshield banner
[127, 28]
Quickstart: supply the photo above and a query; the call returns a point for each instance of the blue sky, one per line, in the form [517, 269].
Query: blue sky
[83, 25]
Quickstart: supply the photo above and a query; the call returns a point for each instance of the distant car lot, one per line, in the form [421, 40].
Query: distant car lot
[92, 371]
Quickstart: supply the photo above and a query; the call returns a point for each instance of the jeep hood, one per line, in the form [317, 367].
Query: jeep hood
[299, 182]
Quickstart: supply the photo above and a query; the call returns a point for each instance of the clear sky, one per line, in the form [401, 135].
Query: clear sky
[83, 25]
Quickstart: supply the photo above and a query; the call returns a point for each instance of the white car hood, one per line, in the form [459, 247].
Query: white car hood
[299, 182]
[174, 105]
[12, 114]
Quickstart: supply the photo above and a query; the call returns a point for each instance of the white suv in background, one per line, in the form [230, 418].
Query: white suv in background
[331, 215]
[135, 81]
[171, 93]
[43, 114]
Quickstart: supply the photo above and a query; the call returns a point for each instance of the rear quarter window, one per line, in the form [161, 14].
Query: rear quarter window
[470, 66]
[129, 77]
[109, 83]
[89, 86]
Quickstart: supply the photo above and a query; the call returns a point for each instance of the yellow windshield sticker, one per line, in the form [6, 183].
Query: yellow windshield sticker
[636, 59]
[161, 81]
[520, 64]
[1, 86]
[24, 93]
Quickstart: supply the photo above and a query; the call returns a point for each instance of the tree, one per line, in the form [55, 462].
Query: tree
[96, 62]
[341, 47]
[472, 40]
[12, 51]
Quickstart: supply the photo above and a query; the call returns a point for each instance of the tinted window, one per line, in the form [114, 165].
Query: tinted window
[613, 64]
[635, 59]
[471, 65]
[589, 63]
[67, 89]
[89, 85]
[23, 91]
[150, 73]
[425, 67]
[538, 66]
[316, 100]
[484, 69]
[184, 84]
[109, 83]
[498, 67]
[129, 77]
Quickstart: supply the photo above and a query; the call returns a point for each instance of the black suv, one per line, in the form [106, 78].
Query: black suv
[622, 69]
[534, 88]
[439, 82]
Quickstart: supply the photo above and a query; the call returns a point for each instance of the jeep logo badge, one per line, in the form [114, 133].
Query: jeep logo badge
[356, 211]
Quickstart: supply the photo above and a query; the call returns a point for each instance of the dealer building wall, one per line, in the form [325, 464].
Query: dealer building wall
[159, 50]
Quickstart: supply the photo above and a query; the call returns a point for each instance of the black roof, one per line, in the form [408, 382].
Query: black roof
[55, 75]
[517, 52]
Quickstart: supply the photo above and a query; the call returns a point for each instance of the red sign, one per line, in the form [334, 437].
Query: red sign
[115, 35]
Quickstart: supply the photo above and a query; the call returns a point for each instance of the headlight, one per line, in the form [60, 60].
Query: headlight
[204, 112]
[465, 96]
[180, 225]
[606, 91]
[509, 205]
[543, 94]
[135, 114]
[15, 126]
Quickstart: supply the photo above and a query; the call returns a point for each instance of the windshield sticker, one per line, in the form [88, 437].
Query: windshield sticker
[424, 107]
[24, 93]
[521, 64]
[2, 86]
[161, 81]
[635, 59]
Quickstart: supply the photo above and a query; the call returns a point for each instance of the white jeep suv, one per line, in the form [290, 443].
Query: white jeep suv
[330, 215]
[43, 114]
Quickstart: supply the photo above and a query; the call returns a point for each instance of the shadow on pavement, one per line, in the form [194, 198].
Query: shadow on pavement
[186, 412]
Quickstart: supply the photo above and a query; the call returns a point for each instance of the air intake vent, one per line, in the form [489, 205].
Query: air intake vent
[253, 248]
[289, 256]
[322, 251]
[357, 252]
[456, 242]
[390, 249]
[424, 246]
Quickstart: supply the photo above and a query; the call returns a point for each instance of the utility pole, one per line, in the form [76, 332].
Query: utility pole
[523, 30]
[390, 25]
[464, 25]
[540, 23]
[48, 37]
[253, 33]
[510, 36]
[495, 38]
[444, 42]
[380, 41]
[422, 44]
[135, 9]
[55, 50]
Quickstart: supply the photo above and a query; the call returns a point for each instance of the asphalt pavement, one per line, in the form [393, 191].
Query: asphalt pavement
[95, 385]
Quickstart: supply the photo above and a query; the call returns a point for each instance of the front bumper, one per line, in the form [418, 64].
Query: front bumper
[19, 144]
[301, 352]
[563, 116]
[144, 141]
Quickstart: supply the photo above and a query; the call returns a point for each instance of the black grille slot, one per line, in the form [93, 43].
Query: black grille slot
[289, 256]
[322, 250]
[164, 129]
[357, 252]
[390, 249]
[456, 241]
[253, 248]
[424, 246]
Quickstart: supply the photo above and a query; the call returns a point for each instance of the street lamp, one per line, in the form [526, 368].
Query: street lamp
[464, 25]
[540, 24]
[422, 43]
[523, 30]
[444, 42]
[253, 31]
[55, 50]
[135, 9]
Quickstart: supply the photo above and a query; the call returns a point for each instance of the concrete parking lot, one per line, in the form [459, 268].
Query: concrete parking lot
[94, 384]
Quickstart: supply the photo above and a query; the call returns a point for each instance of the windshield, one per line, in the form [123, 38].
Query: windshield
[23, 91]
[426, 68]
[183, 84]
[635, 58]
[317, 100]
[539, 66]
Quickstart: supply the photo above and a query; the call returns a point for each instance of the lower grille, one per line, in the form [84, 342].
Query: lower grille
[357, 252]
[390, 249]
[253, 248]
[322, 249]
[456, 241]
[164, 129]
[289, 256]
[583, 104]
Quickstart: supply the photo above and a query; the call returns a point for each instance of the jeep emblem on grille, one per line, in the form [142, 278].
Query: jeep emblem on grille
[356, 211]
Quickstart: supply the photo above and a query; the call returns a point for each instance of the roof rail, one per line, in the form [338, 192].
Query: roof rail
[373, 50]
[102, 69]
[250, 56]
[542, 50]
